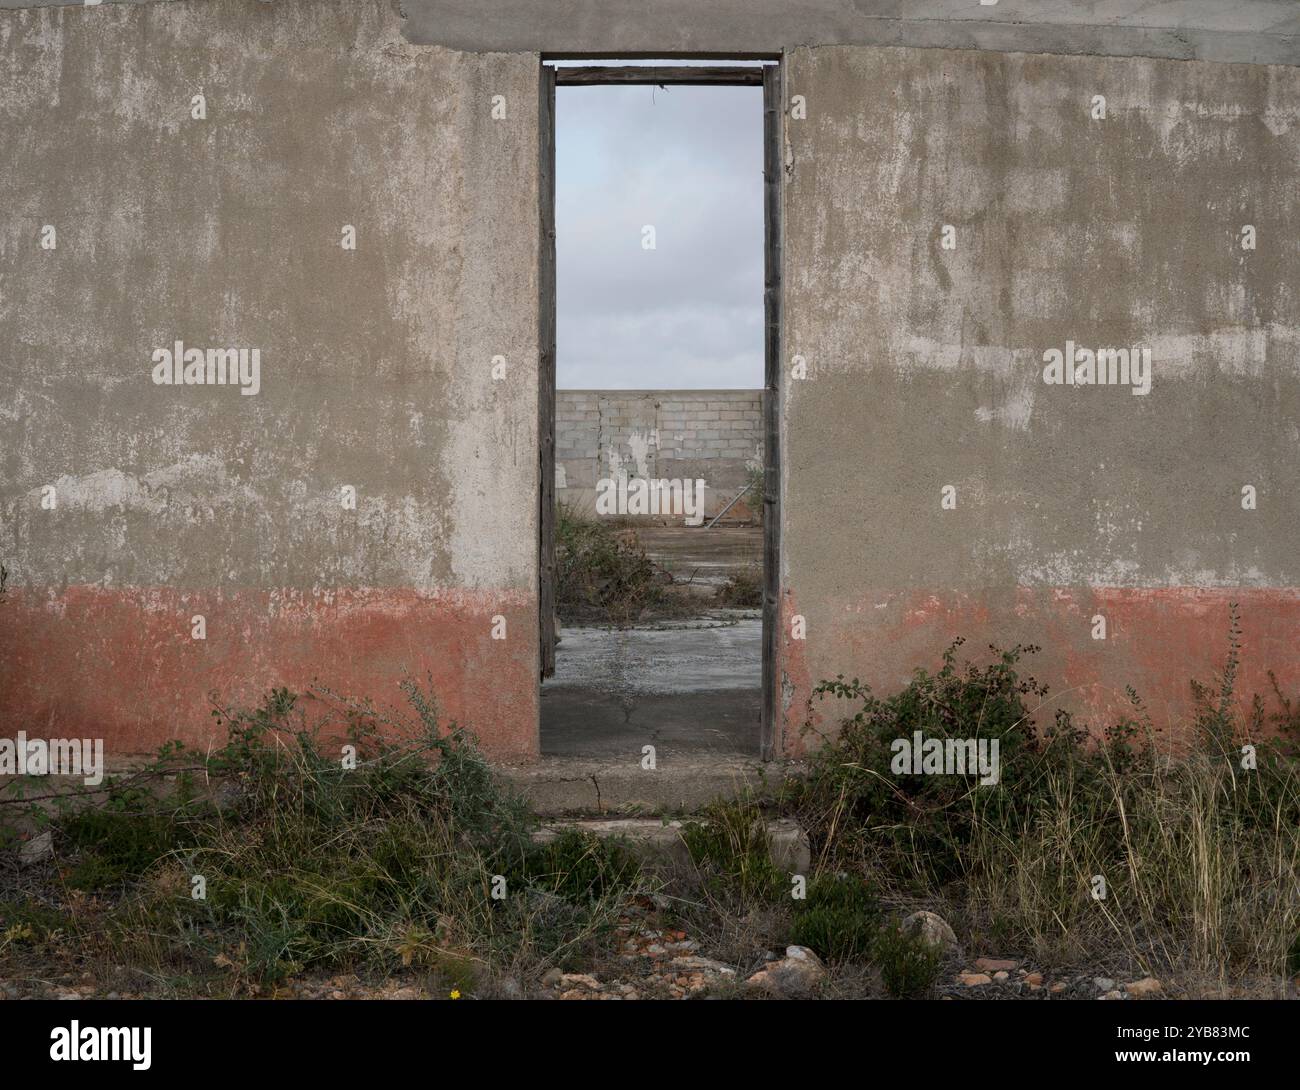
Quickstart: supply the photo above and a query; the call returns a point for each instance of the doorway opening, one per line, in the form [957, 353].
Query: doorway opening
[659, 409]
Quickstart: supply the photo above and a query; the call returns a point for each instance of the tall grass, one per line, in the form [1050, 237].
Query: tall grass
[405, 854]
[413, 856]
[1200, 856]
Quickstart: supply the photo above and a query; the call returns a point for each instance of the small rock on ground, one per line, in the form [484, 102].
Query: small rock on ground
[934, 929]
[794, 975]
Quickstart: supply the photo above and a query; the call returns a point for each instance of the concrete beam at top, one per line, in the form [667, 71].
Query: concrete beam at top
[1243, 31]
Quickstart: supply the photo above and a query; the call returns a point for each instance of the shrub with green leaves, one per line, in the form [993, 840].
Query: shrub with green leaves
[742, 589]
[922, 823]
[579, 867]
[601, 572]
[307, 862]
[1195, 848]
[838, 919]
[908, 964]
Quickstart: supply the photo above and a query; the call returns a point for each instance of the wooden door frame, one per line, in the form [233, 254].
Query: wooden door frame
[767, 76]
[546, 381]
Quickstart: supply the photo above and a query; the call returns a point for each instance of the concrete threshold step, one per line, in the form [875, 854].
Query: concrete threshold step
[660, 843]
[565, 786]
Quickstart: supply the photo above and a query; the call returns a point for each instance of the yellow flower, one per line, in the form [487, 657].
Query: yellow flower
[455, 993]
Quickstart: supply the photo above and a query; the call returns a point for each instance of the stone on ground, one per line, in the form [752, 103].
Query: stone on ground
[933, 928]
[793, 976]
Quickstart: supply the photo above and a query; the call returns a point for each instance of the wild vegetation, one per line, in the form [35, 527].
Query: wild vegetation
[1110, 852]
[227, 873]
[282, 855]
[602, 572]
[603, 575]
[742, 589]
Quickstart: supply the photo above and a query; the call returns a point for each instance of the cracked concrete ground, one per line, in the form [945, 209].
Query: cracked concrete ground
[686, 688]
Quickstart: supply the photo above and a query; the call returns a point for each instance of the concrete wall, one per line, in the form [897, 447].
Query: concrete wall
[1246, 31]
[174, 501]
[926, 369]
[1255, 31]
[711, 435]
[925, 363]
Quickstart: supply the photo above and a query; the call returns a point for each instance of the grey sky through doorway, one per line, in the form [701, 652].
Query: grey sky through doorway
[689, 162]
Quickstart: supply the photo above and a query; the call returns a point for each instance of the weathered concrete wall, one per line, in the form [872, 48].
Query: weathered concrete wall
[711, 435]
[375, 366]
[1248, 31]
[926, 366]
[1257, 31]
[128, 507]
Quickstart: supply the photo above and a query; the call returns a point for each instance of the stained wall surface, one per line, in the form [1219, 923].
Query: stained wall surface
[926, 366]
[933, 484]
[714, 436]
[172, 502]
[1254, 31]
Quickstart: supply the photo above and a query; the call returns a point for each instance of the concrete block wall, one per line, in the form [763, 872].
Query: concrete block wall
[926, 371]
[709, 435]
[173, 502]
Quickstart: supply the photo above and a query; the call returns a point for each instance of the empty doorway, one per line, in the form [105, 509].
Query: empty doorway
[659, 406]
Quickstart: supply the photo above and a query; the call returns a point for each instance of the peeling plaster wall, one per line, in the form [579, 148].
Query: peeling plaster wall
[375, 366]
[925, 364]
[925, 370]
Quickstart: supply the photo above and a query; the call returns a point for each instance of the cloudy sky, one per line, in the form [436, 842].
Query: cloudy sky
[689, 313]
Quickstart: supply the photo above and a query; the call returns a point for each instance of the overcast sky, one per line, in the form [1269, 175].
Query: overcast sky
[689, 313]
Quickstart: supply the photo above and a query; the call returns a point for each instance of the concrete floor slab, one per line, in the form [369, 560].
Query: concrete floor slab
[684, 687]
[556, 786]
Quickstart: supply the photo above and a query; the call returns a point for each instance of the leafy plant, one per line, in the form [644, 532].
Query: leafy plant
[1194, 850]
[839, 919]
[742, 590]
[306, 861]
[908, 964]
[601, 572]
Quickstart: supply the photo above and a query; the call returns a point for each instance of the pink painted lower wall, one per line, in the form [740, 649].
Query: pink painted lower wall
[121, 664]
[1157, 640]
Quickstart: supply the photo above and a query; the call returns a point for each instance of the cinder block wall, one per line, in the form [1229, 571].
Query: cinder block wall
[710, 435]
[174, 502]
[925, 369]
